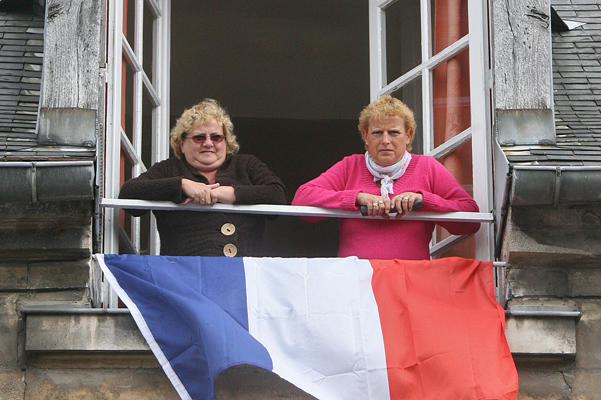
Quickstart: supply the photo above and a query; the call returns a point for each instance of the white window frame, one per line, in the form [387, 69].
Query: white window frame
[119, 49]
[480, 82]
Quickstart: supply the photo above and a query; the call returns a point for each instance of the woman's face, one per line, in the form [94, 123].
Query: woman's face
[386, 140]
[204, 146]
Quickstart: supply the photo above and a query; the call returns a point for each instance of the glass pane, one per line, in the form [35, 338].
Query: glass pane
[449, 22]
[147, 129]
[125, 220]
[411, 94]
[127, 99]
[149, 45]
[464, 248]
[403, 38]
[126, 166]
[145, 233]
[459, 162]
[125, 245]
[129, 20]
[451, 87]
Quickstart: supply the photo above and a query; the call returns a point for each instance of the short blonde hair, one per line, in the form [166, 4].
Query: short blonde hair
[388, 106]
[203, 112]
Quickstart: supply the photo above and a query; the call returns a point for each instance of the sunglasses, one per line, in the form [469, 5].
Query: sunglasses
[213, 137]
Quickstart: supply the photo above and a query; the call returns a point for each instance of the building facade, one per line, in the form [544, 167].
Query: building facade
[89, 90]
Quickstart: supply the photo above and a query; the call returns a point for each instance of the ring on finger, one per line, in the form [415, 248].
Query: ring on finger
[375, 204]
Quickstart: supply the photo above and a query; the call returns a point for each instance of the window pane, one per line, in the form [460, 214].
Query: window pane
[403, 38]
[449, 22]
[127, 99]
[459, 162]
[129, 20]
[125, 220]
[451, 86]
[145, 233]
[149, 45]
[411, 94]
[464, 248]
[148, 132]
[147, 129]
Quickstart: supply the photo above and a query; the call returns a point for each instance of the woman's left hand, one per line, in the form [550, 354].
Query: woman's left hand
[376, 205]
[224, 194]
[404, 202]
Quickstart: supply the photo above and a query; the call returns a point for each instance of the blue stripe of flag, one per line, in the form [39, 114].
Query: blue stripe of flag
[195, 308]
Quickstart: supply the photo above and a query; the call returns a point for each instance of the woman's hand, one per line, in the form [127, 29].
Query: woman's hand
[376, 205]
[198, 192]
[404, 202]
[224, 194]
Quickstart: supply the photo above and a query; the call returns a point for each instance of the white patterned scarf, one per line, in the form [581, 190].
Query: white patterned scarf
[387, 174]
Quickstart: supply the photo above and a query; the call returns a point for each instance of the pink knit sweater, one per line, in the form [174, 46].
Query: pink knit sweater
[387, 239]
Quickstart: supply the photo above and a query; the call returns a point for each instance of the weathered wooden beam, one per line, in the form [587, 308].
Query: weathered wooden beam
[523, 71]
[71, 54]
[70, 85]
[522, 50]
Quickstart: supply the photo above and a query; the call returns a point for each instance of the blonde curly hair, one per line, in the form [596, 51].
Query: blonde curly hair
[388, 106]
[203, 112]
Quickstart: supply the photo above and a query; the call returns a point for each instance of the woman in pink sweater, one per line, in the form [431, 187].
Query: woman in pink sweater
[388, 176]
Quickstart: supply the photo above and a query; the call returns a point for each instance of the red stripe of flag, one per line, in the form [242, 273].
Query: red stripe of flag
[444, 332]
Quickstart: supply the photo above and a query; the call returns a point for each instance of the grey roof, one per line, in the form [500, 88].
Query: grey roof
[577, 91]
[21, 54]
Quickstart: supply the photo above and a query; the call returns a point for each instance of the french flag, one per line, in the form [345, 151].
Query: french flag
[337, 328]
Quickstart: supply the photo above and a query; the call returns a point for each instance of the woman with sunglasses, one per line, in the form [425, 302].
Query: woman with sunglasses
[388, 176]
[207, 169]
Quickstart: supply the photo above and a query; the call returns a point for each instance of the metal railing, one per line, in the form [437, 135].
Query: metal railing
[103, 296]
[299, 211]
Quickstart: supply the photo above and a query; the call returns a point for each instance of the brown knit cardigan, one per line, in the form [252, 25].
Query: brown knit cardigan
[200, 233]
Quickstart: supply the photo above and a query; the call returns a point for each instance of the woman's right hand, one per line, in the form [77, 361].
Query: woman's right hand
[376, 205]
[199, 192]
[404, 202]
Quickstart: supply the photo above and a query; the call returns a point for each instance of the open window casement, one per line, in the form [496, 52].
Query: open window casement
[137, 117]
[433, 55]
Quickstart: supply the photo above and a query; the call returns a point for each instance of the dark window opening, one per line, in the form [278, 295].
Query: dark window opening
[293, 76]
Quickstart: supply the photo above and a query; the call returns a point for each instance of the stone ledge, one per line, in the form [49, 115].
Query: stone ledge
[531, 331]
[82, 330]
[542, 331]
[92, 360]
[88, 339]
[78, 342]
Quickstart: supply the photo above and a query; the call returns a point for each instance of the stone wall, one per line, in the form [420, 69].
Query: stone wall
[554, 258]
[45, 251]
[44, 256]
